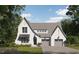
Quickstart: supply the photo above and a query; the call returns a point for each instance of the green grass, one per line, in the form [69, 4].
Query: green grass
[75, 46]
[32, 50]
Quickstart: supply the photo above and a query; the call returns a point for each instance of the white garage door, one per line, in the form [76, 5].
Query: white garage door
[45, 43]
[58, 42]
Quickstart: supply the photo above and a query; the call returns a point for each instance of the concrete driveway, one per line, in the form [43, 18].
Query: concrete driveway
[59, 50]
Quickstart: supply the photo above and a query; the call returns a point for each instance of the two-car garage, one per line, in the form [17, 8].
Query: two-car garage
[56, 39]
[57, 42]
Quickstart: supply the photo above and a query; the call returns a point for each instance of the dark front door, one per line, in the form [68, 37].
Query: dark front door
[35, 40]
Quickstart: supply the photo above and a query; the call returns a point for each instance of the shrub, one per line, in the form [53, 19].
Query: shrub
[28, 45]
[72, 40]
[23, 45]
[7, 45]
[12, 44]
[4, 45]
[2, 41]
[39, 44]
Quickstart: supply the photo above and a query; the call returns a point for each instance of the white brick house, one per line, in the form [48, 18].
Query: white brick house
[48, 34]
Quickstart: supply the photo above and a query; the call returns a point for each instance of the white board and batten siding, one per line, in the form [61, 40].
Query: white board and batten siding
[29, 31]
[55, 35]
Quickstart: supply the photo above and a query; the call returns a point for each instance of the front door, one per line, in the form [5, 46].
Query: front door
[35, 40]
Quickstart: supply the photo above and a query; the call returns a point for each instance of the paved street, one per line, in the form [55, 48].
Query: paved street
[59, 50]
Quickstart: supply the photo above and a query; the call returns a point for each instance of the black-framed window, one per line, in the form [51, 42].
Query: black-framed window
[58, 40]
[24, 29]
[24, 39]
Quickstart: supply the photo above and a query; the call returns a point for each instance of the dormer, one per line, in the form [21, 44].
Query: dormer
[41, 30]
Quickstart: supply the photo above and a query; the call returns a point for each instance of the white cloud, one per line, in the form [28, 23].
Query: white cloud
[61, 15]
[26, 15]
[56, 19]
[62, 12]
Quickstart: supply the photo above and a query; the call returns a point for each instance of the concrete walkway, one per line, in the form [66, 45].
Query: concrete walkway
[59, 50]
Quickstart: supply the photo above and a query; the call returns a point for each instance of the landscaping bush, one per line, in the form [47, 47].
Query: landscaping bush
[6, 44]
[38, 44]
[23, 45]
[28, 45]
[72, 40]
[12, 44]
[2, 41]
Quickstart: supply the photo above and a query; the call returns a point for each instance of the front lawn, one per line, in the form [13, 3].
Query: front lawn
[20, 50]
[31, 50]
[75, 46]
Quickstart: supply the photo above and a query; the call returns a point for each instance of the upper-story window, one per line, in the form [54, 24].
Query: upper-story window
[41, 30]
[24, 29]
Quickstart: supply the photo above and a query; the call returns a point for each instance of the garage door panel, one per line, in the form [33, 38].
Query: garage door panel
[45, 43]
[58, 42]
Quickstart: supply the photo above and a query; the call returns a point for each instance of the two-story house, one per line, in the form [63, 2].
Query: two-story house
[48, 34]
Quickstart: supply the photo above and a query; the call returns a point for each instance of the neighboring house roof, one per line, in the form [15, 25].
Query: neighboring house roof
[48, 26]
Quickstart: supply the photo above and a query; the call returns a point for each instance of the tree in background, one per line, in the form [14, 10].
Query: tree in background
[73, 11]
[71, 26]
[66, 26]
[9, 20]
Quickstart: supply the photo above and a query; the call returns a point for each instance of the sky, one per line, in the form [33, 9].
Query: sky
[45, 13]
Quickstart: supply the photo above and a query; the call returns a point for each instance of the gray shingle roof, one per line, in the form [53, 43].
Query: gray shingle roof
[49, 26]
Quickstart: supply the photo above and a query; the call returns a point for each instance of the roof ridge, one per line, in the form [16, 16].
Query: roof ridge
[44, 23]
